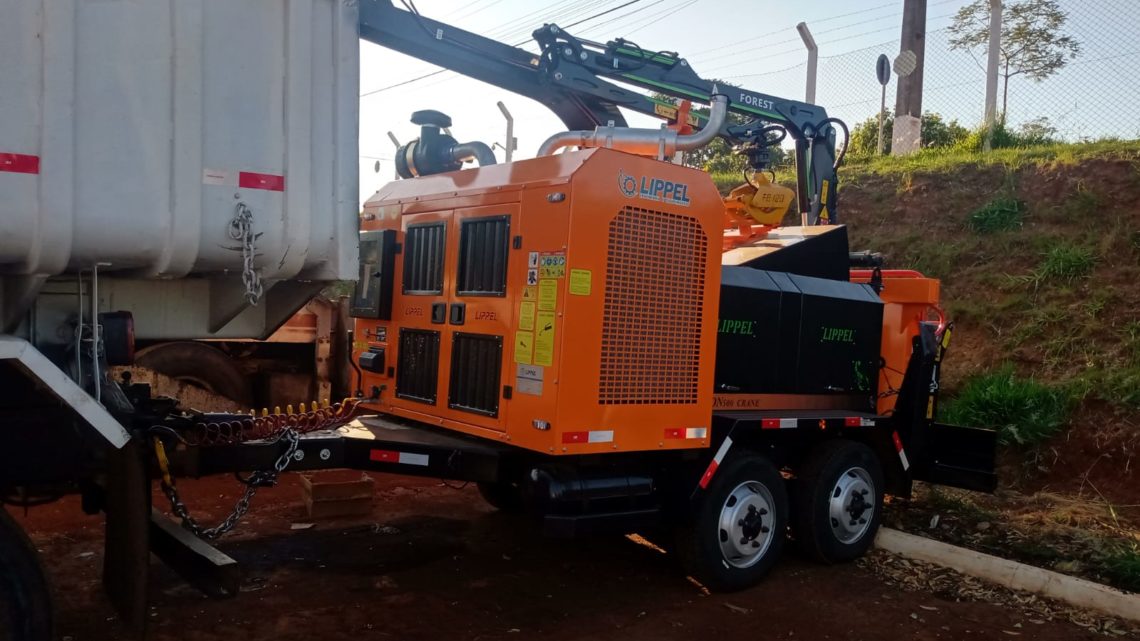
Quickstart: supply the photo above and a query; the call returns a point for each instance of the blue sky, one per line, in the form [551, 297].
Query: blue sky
[752, 43]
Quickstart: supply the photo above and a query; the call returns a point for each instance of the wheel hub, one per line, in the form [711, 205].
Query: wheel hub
[745, 532]
[852, 505]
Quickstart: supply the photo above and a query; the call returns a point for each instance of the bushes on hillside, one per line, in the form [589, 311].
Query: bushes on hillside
[1022, 410]
[939, 133]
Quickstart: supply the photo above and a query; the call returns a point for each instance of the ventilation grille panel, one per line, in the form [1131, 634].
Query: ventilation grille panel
[654, 307]
[483, 247]
[417, 367]
[476, 364]
[423, 258]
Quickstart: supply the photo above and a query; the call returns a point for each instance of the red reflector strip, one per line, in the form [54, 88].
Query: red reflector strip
[715, 463]
[686, 432]
[20, 163]
[384, 456]
[902, 453]
[778, 423]
[270, 182]
[593, 436]
[858, 421]
[404, 458]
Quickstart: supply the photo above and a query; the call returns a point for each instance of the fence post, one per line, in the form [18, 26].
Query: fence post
[992, 72]
[812, 61]
[509, 147]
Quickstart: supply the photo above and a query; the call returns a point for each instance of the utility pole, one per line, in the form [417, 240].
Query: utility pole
[992, 72]
[908, 99]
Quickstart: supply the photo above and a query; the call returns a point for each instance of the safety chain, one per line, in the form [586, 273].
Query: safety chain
[241, 229]
[270, 427]
[255, 481]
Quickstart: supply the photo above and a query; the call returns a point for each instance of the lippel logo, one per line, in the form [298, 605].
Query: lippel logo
[627, 184]
[655, 189]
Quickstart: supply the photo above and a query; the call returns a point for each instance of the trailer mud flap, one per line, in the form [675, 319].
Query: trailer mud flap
[936, 452]
[961, 457]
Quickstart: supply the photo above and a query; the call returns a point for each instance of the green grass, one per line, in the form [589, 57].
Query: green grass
[1000, 214]
[949, 160]
[1066, 262]
[1022, 410]
[1123, 568]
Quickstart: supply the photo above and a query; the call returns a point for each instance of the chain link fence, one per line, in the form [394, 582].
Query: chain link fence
[1093, 96]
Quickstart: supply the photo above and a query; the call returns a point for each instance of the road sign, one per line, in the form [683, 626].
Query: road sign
[883, 69]
[905, 63]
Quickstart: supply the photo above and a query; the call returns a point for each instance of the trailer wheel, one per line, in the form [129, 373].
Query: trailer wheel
[739, 527]
[201, 365]
[837, 501]
[503, 496]
[25, 600]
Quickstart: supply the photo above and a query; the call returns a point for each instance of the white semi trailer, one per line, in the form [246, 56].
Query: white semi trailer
[169, 169]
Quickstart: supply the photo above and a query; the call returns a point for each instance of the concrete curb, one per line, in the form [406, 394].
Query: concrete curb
[1011, 574]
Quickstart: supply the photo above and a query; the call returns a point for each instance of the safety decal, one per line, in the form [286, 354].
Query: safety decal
[547, 295]
[580, 282]
[544, 339]
[526, 315]
[524, 347]
[552, 265]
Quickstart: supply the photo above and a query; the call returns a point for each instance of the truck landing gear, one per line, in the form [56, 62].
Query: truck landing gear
[25, 601]
[837, 501]
[737, 533]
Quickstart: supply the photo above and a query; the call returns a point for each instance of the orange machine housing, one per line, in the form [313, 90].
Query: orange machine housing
[566, 304]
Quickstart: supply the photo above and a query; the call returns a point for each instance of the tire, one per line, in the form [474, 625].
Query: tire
[502, 496]
[25, 599]
[837, 501]
[738, 529]
[201, 365]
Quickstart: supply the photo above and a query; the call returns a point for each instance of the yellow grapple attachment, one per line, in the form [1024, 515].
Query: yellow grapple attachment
[764, 201]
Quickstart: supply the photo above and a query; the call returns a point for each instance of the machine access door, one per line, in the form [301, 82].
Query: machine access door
[479, 314]
[453, 315]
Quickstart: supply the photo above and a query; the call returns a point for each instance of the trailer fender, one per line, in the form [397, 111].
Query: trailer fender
[38, 368]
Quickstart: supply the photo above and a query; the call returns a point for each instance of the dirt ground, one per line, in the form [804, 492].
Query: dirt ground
[433, 562]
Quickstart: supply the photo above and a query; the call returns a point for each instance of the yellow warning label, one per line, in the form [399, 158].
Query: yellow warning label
[547, 295]
[530, 292]
[526, 315]
[544, 339]
[823, 193]
[524, 347]
[552, 266]
[580, 282]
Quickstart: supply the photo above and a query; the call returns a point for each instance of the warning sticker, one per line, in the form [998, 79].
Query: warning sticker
[524, 347]
[580, 282]
[532, 260]
[544, 339]
[552, 265]
[547, 294]
[532, 277]
[530, 293]
[526, 315]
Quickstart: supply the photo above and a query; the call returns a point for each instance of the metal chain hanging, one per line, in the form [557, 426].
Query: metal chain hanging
[241, 229]
[255, 481]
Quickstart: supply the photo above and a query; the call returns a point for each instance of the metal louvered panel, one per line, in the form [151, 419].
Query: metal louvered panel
[483, 247]
[417, 366]
[654, 306]
[423, 258]
[476, 363]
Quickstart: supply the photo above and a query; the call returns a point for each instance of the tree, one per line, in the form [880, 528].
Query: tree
[1032, 40]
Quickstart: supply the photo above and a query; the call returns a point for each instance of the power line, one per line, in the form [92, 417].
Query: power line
[662, 15]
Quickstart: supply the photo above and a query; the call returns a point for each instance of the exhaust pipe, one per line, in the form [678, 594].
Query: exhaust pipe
[660, 143]
[480, 152]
